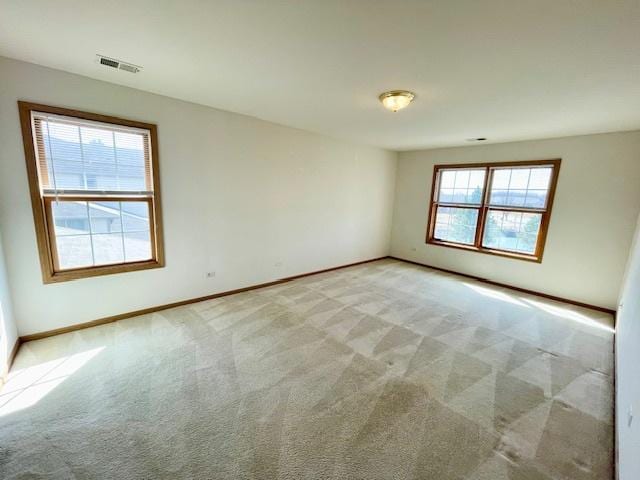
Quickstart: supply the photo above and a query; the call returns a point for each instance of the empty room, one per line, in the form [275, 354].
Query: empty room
[320, 239]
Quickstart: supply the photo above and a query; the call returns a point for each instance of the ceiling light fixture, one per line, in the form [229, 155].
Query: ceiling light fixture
[396, 99]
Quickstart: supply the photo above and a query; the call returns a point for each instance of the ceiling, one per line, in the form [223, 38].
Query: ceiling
[502, 69]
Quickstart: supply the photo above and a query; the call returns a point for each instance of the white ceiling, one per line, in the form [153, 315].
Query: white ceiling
[502, 69]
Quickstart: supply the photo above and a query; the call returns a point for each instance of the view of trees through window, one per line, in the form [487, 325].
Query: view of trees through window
[509, 214]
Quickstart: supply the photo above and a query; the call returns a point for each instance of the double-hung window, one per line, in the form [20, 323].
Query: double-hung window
[94, 185]
[498, 208]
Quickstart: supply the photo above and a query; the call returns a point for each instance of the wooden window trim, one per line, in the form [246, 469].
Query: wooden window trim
[40, 203]
[484, 207]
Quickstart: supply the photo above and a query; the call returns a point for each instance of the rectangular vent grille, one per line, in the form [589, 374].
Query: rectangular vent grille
[113, 63]
[109, 63]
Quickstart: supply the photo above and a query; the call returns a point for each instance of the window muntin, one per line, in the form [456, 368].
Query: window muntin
[500, 208]
[96, 203]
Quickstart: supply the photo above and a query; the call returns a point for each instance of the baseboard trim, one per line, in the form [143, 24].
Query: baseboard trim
[158, 308]
[10, 359]
[517, 289]
[144, 311]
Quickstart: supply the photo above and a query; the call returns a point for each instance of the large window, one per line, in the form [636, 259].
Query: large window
[95, 192]
[498, 208]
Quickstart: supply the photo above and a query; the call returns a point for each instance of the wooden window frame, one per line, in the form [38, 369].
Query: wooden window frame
[41, 203]
[484, 207]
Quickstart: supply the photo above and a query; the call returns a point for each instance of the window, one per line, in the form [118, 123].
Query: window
[94, 190]
[497, 208]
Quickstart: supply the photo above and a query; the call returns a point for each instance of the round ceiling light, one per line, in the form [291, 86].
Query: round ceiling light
[396, 99]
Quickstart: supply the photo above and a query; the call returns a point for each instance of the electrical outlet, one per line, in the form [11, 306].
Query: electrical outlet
[413, 249]
[211, 274]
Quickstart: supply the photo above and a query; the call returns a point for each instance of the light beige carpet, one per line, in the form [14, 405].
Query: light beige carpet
[381, 371]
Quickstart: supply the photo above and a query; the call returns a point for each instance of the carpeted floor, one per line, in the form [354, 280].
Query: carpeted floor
[381, 371]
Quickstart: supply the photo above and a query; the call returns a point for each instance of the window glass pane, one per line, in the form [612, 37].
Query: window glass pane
[501, 179]
[137, 246]
[535, 198]
[460, 195]
[519, 178]
[447, 178]
[540, 178]
[446, 195]
[70, 218]
[476, 179]
[135, 216]
[461, 186]
[92, 157]
[516, 198]
[95, 231]
[499, 196]
[462, 179]
[520, 187]
[456, 224]
[105, 217]
[512, 231]
[107, 248]
[74, 251]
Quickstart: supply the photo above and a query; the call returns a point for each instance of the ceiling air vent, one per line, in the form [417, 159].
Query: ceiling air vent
[120, 65]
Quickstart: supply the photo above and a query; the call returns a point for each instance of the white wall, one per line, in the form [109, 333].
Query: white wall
[239, 195]
[8, 330]
[628, 368]
[594, 212]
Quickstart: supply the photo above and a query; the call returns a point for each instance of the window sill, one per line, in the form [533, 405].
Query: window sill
[488, 251]
[79, 273]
